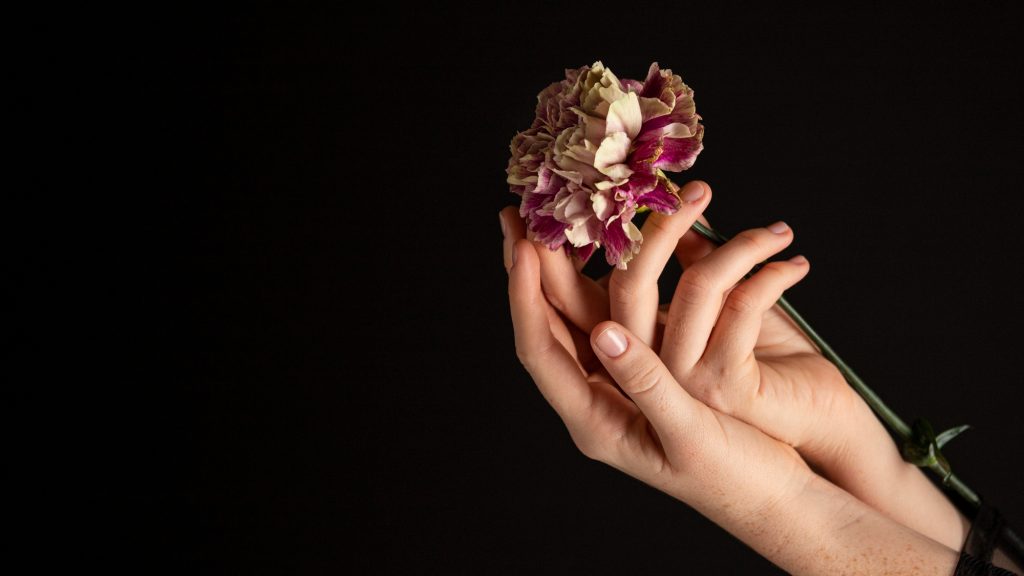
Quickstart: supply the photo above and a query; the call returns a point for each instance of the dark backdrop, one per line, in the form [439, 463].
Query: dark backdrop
[352, 400]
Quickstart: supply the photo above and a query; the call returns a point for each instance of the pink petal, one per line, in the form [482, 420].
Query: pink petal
[679, 153]
[659, 199]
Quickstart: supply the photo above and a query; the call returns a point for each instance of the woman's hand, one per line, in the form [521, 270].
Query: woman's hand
[630, 412]
[727, 343]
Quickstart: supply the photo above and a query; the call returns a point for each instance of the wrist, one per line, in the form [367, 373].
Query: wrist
[863, 460]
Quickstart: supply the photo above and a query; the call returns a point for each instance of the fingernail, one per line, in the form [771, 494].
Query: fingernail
[501, 220]
[612, 342]
[514, 251]
[798, 259]
[694, 191]
[779, 227]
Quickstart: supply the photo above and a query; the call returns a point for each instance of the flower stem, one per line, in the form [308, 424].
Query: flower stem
[886, 414]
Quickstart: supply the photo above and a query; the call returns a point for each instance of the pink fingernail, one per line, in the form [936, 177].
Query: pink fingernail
[798, 259]
[694, 191]
[504, 230]
[514, 251]
[779, 227]
[612, 342]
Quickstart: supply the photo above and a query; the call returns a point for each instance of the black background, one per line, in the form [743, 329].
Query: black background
[331, 178]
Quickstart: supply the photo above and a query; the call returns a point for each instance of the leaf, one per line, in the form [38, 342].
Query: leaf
[922, 448]
[948, 435]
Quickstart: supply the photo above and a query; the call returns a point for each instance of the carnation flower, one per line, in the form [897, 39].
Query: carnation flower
[596, 155]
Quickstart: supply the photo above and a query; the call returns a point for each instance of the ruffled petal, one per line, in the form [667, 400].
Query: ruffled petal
[622, 241]
[624, 116]
[679, 154]
[659, 199]
[612, 153]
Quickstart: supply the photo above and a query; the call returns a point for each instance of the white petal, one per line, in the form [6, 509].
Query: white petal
[676, 130]
[653, 107]
[624, 116]
[619, 172]
[569, 175]
[594, 128]
[579, 234]
[633, 232]
[613, 150]
[602, 205]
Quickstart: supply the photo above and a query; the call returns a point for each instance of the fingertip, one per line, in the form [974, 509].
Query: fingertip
[523, 252]
[513, 225]
[609, 338]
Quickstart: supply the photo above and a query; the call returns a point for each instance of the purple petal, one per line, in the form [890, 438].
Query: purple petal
[660, 200]
[618, 247]
[642, 159]
[548, 231]
[679, 153]
[631, 85]
[652, 128]
[655, 82]
[641, 183]
[585, 252]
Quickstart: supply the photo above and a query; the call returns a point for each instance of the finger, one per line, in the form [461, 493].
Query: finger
[735, 335]
[642, 375]
[693, 245]
[698, 297]
[556, 373]
[575, 295]
[633, 293]
[512, 228]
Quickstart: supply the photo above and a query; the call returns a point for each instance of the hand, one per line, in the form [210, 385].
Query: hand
[632, 414]
[727, 343]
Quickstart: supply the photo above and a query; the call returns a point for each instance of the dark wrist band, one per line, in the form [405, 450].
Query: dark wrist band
[982, 540]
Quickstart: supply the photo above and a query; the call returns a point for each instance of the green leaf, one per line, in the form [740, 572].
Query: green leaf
[922, 448]
[948, 435]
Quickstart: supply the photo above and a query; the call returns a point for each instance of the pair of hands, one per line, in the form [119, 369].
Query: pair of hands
[719, 401]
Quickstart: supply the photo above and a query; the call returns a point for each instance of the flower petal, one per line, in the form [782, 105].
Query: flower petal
[602, 204]
[659, 199]
[679, 153]
[548, 231]
[653, 108]
[613, 150]
[622, 240]
[624, 116]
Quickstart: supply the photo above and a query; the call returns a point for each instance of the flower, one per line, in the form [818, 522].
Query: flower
[596, 154]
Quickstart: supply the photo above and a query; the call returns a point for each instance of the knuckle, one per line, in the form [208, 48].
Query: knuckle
[643, 379]
[622, 288]
[532, 357]
[777, 270]
[750, 241]
[695, 285]
[712, 387]
[741, 301]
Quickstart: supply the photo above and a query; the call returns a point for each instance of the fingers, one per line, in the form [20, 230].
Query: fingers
[512, 228]
[699, 295]
[573, 294]
[556, 373]
[642, 375]
[582, 300]
[693, 245]
[735, 335]
[633, 293]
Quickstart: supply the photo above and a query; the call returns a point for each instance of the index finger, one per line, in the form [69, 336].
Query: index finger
[556, 373]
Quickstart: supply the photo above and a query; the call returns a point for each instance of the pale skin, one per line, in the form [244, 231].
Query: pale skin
[756, 395]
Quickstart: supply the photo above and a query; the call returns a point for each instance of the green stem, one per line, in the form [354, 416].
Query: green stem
[886, 414]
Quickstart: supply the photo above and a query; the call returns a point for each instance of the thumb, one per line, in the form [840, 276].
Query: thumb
[642, 375]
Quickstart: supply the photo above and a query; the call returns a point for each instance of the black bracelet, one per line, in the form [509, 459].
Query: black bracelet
[982, 540]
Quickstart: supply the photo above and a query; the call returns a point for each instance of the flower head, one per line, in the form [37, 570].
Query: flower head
[596, 154]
